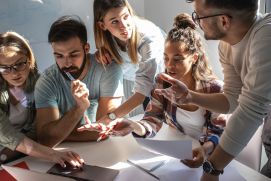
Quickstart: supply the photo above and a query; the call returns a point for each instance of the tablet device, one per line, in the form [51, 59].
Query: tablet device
[86, 173]
[26, 175]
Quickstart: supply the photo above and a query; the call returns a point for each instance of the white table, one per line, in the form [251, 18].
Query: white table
[115, 151]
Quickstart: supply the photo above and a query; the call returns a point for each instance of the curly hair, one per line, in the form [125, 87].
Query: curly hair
[184, 32]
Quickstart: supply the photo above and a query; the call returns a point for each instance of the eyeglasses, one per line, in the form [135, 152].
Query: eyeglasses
[196, 18]
[20, 66]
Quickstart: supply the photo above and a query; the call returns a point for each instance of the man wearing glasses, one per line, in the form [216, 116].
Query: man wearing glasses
[244, 52]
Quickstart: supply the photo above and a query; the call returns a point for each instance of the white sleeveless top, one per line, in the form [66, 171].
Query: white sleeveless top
[191, 121]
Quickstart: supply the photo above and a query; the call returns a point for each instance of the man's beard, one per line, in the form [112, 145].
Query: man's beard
[74, 71]
[216, 33]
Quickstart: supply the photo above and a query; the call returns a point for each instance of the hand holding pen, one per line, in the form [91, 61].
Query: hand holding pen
[80, 94]
[104, 134]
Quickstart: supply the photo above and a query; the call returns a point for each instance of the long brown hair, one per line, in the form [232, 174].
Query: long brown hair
[12, 43]
[184, 32]
[104, 40]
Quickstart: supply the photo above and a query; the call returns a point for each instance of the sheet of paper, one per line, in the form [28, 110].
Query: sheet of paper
[148, 160]
[175, 170]
[132, 173]
[26, 175]
[181, 149]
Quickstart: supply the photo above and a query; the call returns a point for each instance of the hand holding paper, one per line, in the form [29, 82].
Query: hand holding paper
[198, 158]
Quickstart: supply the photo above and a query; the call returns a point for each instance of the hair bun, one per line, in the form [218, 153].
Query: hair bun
[183, 21]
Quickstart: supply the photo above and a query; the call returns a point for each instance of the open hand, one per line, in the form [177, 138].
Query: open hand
[178, 93]
[118, 127]
[67, 156]
[122, 127]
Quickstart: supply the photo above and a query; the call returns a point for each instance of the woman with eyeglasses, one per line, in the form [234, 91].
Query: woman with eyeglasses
[133, 42]
[18, 75]
[185, 60]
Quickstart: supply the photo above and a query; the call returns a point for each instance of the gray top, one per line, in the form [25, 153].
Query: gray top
[247, 84]
[53, 90]
[150, 57]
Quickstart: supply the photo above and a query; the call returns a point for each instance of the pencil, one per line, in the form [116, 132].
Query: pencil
[143, 169]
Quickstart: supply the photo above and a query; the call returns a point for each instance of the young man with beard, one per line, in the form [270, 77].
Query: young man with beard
[244, 52]
[76, 89]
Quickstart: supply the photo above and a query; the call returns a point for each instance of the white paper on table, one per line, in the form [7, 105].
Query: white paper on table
[181, 149]
[148, 160]
[21, 174]
[132, 173]
[175, 170]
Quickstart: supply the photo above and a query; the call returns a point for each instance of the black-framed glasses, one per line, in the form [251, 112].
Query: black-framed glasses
[196, 18]
[18, 66]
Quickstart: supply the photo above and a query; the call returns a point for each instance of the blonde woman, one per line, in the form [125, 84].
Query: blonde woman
[18, 75]
[133, 42]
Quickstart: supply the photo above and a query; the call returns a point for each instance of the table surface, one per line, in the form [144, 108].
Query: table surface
[114, 152]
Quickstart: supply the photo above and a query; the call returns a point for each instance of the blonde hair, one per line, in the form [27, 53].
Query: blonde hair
[11, 43]
[184, 32]
[104, 40]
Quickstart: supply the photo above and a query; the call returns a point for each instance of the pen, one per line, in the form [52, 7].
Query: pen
[69, 76]
[158, 166]
[103, 135]
[143, 169]
[72, 79]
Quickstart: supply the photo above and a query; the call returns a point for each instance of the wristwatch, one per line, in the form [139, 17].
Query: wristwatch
[112, 116]
[209, 168]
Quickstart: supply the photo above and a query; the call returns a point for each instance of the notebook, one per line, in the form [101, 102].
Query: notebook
[87, 173]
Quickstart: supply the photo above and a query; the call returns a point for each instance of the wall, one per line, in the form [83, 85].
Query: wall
[163, 15]
[33, 18]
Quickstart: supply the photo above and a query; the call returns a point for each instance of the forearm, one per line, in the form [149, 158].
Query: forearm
[107, 105]
[216, 102]
[30, 147]
[219, 158]
[208, 147]
[83, 136]
[51, 134]
[129, 105]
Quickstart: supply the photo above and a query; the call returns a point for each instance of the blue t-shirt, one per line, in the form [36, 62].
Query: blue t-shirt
[53, 90]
